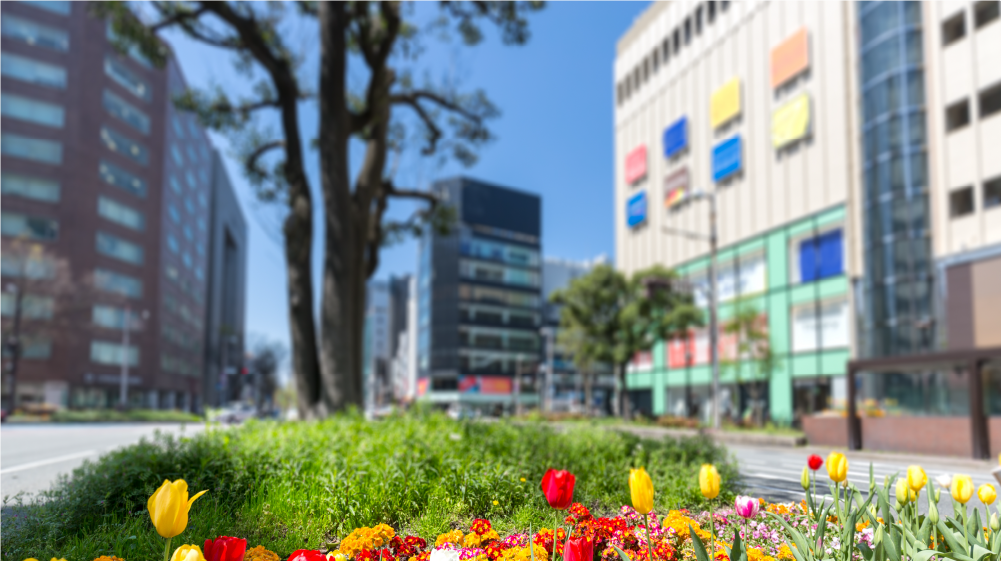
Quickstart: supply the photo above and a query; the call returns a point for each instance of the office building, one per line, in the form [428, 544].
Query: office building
[102, 175]
[404, 326]
[377, 348]
[479, 299]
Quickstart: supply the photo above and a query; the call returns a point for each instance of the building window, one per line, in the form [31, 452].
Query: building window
[36, 348]
[711, 10]
[174, 214]
[175, 122]
[36, 188]
[186, 259]
[957, 115]
[60, 7]
[961, 202]
[34, 34]
[985, 12]
[29, 227]
[688, 30]
[698, 20]
[192, 154]
[190, 178]
[32, 111]
[193, 128]
[117, 142]
[114, 175]
[33, 306]
[202, 225]
[120, 249]
[128, 113]
[990, 101]
[203, 199]
[30, 267]
[954, 29]
[32, 71]
[992, 192]
[114, 318]
[189, 233]
[110, 281]
[172, 244]
[821, 256]
[106, 352]
[36, 149]
[189, 205]
[120, 214]
[134, 51]
[125, 77]
[665, 49]
[820, 325]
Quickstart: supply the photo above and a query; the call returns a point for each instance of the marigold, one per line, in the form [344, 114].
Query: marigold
[755, 554]
[259, 553]
[471, 539]
[785, 553]
[455, 536]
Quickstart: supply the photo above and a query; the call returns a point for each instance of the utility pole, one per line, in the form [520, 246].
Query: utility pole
[13, 343]
[549, 335]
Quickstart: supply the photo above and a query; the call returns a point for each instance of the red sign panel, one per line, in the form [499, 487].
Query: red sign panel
[422, 386]
[694, 350]
[485, 385]
[636, 165]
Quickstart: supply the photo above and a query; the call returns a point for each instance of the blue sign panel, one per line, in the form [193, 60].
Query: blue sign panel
[636, 209]
[726, 158]
[676, 137]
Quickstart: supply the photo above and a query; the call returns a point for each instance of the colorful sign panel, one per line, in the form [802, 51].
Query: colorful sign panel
[790, 57]
[636, 209]
[422, 386]
[636, 165]
[726, 158]
[694, 350]
[485, 385]
[725, 103]
[676, 137]
[791, 122]
[676, 188]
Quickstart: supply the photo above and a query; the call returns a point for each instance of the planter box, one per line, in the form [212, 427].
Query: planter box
[826, 430]
[939, 436]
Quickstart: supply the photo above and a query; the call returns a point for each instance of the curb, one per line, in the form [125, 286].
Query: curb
[722, 437]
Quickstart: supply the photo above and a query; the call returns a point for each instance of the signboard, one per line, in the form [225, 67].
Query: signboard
[422, 386]
[725, 103]
[790, 57]
[676, 137]
[636, 165]
[820, 327]
[694, 349]
[726, 158]
[791, 122]
[485, 385]
[676, 188]
[636, 209]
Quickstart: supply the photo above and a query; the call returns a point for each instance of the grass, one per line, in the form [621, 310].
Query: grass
[304, 485]
[110, 416]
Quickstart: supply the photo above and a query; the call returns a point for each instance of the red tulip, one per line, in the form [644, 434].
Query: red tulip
[578, 549]
[558, 488]
[815, 461]
[225, 548]
[307, 555]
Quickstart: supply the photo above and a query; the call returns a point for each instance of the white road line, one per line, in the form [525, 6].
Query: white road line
[55, 460]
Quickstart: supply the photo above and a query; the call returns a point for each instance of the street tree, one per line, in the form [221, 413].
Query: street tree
[267, 356]
[609, 317]
[750, 330]
[366, 93]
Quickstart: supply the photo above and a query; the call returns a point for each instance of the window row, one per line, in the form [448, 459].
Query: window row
[61, 7]
[496, 251]
[118, 248]
[181, 310]
[113, 354]
[33, 149]
[502, 297]
[478, 270]
[954, 28]
[30, 266]
[32, 71]
[33, 348]
[670, 46]
[176, 365]
[957, 115]
[120, 214]
[17, 225]
[963, 202]
[34, 34]
[114, 318]
[180, 338]
[32, 111]
[33, 306]
[118, 283]
[184, 284]
[117, 142]
[28, 187]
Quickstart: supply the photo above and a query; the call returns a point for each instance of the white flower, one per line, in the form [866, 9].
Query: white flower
[445, 555]
[944, 481]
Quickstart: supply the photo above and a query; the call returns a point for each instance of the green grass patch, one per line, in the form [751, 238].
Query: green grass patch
[305, 485]
[110, 416]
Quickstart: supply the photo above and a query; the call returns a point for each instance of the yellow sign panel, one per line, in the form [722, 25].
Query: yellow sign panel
[791, 122]
[725, 103]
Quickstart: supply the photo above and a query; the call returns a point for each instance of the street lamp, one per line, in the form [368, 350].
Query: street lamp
[123, 389]
[13, 342]
[713, 293]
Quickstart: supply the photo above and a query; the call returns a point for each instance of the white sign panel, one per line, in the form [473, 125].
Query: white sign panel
[751, 279]
[826, 330]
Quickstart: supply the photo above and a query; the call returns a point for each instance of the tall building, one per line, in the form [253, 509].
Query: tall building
[850, 149]
[103, 175]
[404, 327]
[479, 298]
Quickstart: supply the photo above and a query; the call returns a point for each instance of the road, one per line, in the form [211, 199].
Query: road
[774, 473]
[32, 456]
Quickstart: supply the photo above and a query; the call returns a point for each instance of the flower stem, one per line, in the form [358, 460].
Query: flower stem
[712, 532]
[556, 535]
[649, 538]
[166, 550]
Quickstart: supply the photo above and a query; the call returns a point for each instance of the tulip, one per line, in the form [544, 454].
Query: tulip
[804, 479]
[944, 481]
[916, 478]
[641, 490]
[187, 553]
[709, 481]
[933, 513]
[962, 489]
[313, 555]
[746, 507]
[814, 461]
[987, 494]
[169, 506]
[557, 486]
[837, 467]
[578, 549]
[877, 536]
[995, 523]
[225, 548]
[904, 493]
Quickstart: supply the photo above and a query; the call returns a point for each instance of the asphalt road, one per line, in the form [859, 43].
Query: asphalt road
[32, 456]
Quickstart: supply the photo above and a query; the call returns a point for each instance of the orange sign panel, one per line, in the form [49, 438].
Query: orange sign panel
[790, 57]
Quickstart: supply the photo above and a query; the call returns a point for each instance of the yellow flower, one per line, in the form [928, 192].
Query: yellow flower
[259, 553]
[837, 467]
[987, 494]
[496, 503]
[455, 536]
[168, 507]
[641, 489]
[904, 493]
[472, 539]
[489, 535]
[187, 553]
[755, 554]
[709, 481]
[962, 488]
[522, 479]
[785, 552]
[916, 478]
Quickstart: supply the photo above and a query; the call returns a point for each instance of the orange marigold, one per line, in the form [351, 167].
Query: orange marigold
[259, 553]
[785, 553]
[455, 536]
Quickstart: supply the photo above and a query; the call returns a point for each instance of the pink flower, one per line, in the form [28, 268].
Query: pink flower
[746, 507]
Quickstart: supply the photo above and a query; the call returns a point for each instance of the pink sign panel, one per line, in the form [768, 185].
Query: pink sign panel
[636, 164]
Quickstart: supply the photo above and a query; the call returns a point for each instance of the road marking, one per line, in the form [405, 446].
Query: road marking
[55, 460]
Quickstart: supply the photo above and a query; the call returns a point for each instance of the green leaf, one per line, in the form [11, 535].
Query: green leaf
[797, 537]
[822, 525]
[697, 545]
[865, 551]
[741, 554]
[925, 555]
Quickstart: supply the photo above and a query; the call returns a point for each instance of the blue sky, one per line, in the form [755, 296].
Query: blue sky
[554, 138]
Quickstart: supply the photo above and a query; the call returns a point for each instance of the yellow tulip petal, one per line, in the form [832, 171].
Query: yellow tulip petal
[198, 494]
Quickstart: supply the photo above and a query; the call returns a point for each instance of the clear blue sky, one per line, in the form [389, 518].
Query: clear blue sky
[554, 138]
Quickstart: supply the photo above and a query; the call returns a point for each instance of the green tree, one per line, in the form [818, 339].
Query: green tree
[750, 329]
[364, 88]
[608, 317]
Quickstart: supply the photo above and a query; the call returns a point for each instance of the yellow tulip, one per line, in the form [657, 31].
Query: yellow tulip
[916, 478]
[987, 494]
[709, 481]
[641, 489]
[903, 492]
[962, 488]
[837, 467]
[169, 506]
[188, 553]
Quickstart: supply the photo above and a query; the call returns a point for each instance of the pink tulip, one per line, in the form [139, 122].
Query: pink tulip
[746, 507]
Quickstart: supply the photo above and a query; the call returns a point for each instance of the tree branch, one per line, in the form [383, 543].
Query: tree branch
[428, 196]
[176, 18]
[250, 163]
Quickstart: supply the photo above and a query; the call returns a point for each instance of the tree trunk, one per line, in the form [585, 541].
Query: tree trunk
[626, 407]
[588, 392]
